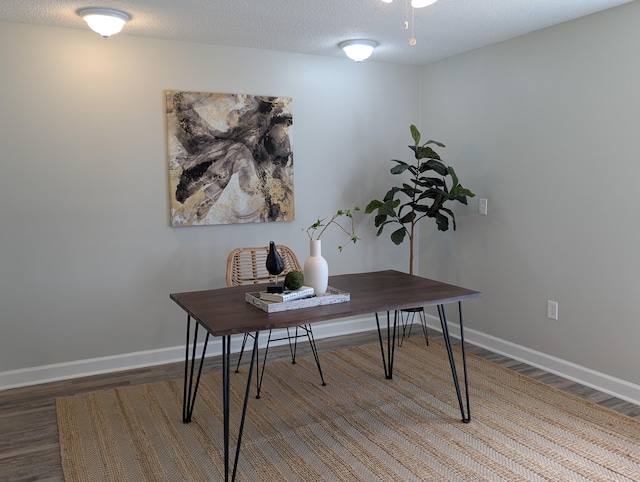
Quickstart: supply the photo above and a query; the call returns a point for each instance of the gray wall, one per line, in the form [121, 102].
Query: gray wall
[87, 256]
[546, 127]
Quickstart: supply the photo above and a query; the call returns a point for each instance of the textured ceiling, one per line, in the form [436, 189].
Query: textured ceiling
[316, 27]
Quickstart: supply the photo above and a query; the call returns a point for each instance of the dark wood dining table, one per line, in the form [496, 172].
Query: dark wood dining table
[224, 312]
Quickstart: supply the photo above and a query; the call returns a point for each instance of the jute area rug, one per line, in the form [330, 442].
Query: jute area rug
[360, 427]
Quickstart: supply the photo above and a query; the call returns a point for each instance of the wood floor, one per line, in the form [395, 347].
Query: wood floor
[29, 449]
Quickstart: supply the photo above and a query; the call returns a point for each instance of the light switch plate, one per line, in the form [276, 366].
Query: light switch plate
[483, 206]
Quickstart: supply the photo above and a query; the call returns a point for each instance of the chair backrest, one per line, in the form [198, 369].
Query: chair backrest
[248, 265]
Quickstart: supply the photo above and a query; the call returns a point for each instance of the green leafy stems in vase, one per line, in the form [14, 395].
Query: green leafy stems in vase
[321, 225]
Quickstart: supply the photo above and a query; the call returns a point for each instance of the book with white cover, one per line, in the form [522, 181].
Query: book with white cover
[289, 295]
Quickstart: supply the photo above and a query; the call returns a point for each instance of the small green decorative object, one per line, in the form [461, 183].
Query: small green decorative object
[293, 280]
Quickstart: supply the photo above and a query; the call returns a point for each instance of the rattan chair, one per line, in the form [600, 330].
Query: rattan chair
[248, 266]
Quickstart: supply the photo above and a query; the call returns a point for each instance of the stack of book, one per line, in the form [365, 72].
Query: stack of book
[294, 300]
[287, 295]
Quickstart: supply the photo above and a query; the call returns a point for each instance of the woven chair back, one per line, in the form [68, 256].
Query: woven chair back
[248, 265]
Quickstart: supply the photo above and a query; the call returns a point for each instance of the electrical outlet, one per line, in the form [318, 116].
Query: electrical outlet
[482, 206]
[552, 310]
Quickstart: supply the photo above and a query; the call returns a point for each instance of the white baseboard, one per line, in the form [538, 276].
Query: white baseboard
[95, 366]
[600, 381]
[63, 371]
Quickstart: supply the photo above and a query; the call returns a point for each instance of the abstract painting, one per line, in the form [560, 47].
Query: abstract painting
[230, 158]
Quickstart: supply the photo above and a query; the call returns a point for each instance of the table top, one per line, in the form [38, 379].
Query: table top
[224, 311]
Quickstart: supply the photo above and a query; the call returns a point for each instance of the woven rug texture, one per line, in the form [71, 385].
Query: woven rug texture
[360, 427]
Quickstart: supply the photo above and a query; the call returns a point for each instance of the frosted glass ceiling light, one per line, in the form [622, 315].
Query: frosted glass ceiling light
[105, 21]
[358, 50]
[422, 3]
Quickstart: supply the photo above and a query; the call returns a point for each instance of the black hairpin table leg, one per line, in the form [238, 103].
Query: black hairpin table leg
[226, 379]
[314, 351]
[191, 390]
[466, 417]
[391, 341]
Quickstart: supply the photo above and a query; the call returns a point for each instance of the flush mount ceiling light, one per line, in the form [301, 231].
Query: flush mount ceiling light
[105, 21]
[414, 4]
[422, 3]
[417, 3]
[358, 50]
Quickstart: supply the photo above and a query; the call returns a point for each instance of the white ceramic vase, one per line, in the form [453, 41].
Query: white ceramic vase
[316, 269]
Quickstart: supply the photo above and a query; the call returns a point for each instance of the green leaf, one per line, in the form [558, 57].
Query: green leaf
[432, 193]
[431, 141]
[389, 208]
[409, 191]
[442, 221]
[460, 194]
[434, 165]
[380, 219]
[431, 182]
[400, 168]
[415, 134]
[407, 218]
[383, 224]
[454, 178]
[456, 189]
[421, 208]
[390, 194]
[461, 191]
[372, 206]
[453, 218]
[448, 211]
[425, 152]
[398, 236]
[399, 161]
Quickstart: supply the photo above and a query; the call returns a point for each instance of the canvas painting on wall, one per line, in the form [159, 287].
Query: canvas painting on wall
[230, 158]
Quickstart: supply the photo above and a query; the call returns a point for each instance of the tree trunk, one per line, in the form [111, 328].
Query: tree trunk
[411, 248]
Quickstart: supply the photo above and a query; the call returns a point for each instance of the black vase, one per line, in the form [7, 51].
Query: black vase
[275, 264]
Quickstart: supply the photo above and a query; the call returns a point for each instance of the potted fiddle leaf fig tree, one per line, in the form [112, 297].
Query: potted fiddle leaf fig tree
[430, 185]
